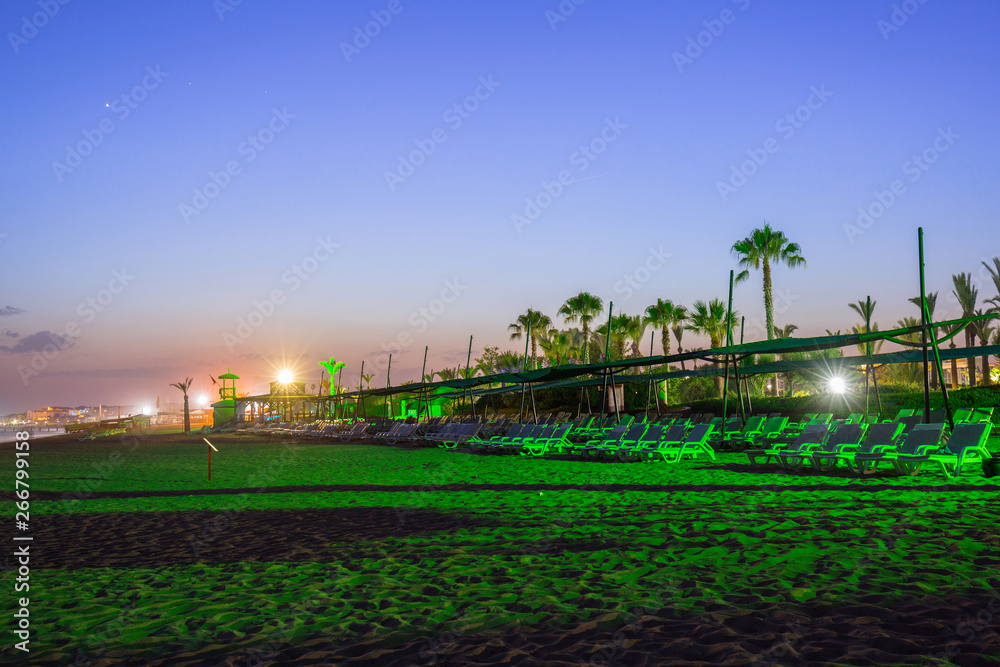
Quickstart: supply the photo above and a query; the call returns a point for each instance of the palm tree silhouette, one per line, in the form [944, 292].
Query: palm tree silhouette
[758, 251]
[184, 385]
[967, 295]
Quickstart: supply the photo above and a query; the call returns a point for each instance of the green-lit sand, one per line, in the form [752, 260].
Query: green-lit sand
[326, 553]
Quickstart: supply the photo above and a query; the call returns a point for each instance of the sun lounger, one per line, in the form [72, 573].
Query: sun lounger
[811, 436]
[694, 444]
[556, 440]
[920, 440]
[967, 441]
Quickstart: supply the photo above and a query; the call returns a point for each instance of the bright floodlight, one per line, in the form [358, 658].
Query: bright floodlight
[837, 385]
[285, 377]
[203, 400]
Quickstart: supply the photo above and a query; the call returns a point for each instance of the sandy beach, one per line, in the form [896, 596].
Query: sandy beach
[321, 553]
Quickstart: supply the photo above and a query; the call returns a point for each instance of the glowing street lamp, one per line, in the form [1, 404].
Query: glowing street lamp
[286, 376]
[837, 385]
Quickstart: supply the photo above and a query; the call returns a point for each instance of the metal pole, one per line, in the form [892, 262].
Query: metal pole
[468, 364]
[745, 384]
[649, 389]
[387, 403]
[607, 355]
[937, 352]
[361, 392]
[423, 371]
[527, 338]
[868, 348]
[925, 320]
[729, 341]
[339, 407]
[534, 413]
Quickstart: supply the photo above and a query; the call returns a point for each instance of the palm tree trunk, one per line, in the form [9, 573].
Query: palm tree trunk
[769, 313]
[187, 415]
[768, 301]
[586, 342]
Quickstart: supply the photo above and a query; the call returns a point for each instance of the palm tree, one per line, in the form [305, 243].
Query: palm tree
[909, 322]
[709, 319]
[967, 295]
[859, 329]
[447, 374]
[184, 386]
[636, 331]
[509, 361]
[557, 346]
[758, 251]
[681, 313]
[910, 371]
[995, 274]
[786, 331]
[984, 330]
[367, 379]
[619, 334]
[534, 323]
[583, 307]
[332, 367]
[664, 314]
[863, 309]
[931, 305]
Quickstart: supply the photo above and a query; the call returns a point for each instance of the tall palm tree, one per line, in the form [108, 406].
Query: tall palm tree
[967, 295]
[536, 324]
[184, 385]
[932, 298]
[984, 330]
[995, 275]
[664, 314]
[763, 247]
[583, 307]
[709, 319]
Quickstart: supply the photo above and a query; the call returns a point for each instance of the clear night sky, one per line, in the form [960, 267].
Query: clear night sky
[167, 165]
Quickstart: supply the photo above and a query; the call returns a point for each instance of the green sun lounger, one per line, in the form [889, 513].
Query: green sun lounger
[844, 438]
[812, 436]
[555, 439]
[967, 441]
[694, 444]
[920, 440]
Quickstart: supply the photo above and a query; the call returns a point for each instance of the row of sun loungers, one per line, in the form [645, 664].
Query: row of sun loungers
[861, 443]
[863, 448]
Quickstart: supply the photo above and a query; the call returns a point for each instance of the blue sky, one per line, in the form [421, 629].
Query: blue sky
[235, 153]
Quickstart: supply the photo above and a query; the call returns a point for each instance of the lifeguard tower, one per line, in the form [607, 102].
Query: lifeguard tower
[224, 409]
